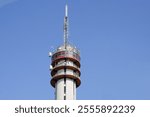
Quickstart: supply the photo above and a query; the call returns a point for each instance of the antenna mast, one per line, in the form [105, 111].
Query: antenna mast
[65, 66]
[66, 26]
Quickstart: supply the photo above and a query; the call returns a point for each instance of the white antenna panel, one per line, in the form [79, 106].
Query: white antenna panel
[50, 54]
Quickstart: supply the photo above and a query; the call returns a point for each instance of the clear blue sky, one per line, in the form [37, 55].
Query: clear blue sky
[113, 37]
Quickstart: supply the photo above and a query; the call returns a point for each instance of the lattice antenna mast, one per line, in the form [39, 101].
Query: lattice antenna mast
[66, 26]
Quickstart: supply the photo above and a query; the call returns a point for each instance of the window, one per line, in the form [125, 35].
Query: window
[64, 88]
[64, 97]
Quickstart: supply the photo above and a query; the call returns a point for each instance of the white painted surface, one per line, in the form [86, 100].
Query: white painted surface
[70, 89]
[69, 71]
[60, 89]
[60, 72]
[74, 90]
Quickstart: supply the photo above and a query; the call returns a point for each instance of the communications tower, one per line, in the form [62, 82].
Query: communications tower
[65, 67]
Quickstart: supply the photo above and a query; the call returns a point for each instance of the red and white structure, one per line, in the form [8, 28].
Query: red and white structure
[65, 67]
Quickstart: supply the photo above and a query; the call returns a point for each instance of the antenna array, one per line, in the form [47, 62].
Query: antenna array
[66, 27]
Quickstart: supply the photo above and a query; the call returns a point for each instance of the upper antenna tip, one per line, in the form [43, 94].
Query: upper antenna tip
[66, 10]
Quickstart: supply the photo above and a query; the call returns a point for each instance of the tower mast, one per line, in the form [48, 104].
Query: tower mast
[66, 26]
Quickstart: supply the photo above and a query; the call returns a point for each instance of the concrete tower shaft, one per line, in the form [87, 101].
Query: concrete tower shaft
[65, 68]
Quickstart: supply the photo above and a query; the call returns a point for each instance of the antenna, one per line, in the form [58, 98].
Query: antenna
[66, 26]
[66, 10]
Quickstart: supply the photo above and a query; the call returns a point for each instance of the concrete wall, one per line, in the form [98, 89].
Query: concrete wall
[59, 89]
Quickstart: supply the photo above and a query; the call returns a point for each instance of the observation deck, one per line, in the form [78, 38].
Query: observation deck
[66, 64]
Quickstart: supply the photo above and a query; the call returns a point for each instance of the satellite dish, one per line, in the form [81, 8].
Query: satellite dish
[50, 67]
[50, 54]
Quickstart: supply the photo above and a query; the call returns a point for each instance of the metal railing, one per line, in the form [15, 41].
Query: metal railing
[65, 54]
[66, 64]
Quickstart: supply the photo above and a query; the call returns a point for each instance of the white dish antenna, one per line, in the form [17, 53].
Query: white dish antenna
[50, 54]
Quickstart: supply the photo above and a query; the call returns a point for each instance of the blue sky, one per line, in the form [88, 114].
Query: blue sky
[113, 37]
